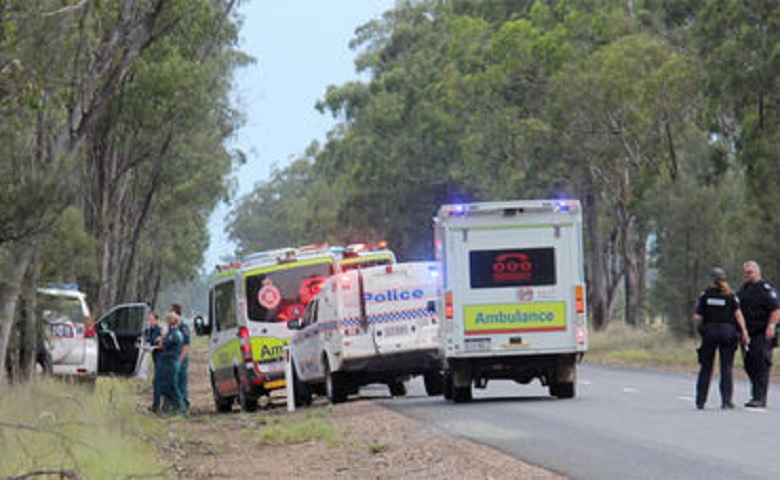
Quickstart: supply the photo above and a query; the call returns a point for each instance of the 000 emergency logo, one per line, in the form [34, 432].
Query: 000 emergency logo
[513, 317]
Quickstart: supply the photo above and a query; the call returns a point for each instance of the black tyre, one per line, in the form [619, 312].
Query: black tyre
[461, 394]
[434, 383]
[447, 390]
[397, 388]
[562, 390]
[246, 400]
[302, 392]
[223, 405]
[334, 387]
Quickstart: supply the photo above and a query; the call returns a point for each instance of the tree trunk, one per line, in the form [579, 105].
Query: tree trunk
[596, 272]
[634, 261]
[18, 255]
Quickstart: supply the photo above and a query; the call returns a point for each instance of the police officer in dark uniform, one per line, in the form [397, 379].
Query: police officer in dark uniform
[718, 319]
[761, 309]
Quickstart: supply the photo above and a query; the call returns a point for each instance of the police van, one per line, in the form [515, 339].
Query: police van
[369, 325]
[512, 294]
[250, 303]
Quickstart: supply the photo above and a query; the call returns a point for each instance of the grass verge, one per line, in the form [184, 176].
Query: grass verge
[74, 432]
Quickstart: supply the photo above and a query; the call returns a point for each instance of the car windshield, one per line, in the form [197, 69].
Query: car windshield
[282, 295]
[55, 307]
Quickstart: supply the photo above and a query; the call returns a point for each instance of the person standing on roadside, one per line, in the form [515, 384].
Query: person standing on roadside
[761, 308]
[171, 350]
[719, 321]
[154, 338]
[184, 360]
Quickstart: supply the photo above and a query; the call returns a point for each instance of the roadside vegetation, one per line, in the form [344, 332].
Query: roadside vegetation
[52, 429]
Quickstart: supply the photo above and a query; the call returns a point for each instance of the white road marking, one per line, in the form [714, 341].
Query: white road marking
[630, 390]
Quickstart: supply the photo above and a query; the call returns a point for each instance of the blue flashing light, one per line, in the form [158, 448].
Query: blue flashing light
[458, 209]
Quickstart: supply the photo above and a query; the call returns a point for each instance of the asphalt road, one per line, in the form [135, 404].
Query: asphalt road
[623, 424]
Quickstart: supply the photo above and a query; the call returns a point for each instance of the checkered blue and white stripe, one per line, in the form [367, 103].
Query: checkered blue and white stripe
[388, 317]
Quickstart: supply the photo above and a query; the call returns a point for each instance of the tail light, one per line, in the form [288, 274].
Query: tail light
[579, 299]
[246, 345]
[89, 331]
[448, 309]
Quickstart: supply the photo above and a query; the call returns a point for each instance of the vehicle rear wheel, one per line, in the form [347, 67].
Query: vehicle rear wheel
[434, 382]
[397, 388]
[562, 390]
[461, 394]
[447, 385]
[222, 405]
[245, 399]
[334, 387]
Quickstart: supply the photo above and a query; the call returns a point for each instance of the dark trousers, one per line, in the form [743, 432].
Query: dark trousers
[182, 380]
[720, 337]
[157, 381]
[758, 362]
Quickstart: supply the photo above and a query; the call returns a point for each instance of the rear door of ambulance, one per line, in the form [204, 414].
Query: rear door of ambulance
[513, 280]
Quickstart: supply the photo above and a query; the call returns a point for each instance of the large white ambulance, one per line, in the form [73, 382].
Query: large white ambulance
[512, 294]
[369, 325]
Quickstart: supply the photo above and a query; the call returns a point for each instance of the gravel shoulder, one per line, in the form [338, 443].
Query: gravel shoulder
[368, 441]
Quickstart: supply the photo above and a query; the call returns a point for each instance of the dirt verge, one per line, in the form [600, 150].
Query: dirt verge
[370, 442]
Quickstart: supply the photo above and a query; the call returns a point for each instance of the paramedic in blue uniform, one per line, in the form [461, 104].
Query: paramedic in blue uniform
[761, 309]
[184, 359]
[154, 338]
[171, 350]
[719, 320]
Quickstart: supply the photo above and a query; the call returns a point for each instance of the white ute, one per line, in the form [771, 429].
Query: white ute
[512, 301]
[369, 325]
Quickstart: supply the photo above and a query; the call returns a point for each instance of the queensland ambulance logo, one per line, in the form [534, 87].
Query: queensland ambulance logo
[269, 296]
[515, 317]
[512, 268]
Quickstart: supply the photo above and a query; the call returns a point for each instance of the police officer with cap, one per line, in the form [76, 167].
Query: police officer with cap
[718, 318]
[761, 308]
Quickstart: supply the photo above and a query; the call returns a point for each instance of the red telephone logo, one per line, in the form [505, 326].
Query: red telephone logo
[512, 267]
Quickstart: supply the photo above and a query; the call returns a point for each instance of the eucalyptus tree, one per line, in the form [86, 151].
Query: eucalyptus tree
[623, 109]
[156, 159]
[739, 43]
[64, 65]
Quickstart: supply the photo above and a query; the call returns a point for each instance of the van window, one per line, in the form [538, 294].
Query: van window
[128, 320]
[224, 305]
[512, 268]
[282, 295]
[55, 307]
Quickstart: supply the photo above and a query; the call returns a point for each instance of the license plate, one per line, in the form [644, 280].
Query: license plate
[275, 384]
[61, 330]
[476, 345]
[394, 330]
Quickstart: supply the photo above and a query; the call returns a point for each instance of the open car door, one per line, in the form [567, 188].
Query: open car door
[120, 340]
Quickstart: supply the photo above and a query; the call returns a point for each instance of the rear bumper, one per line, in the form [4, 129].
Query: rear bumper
[403, 363]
